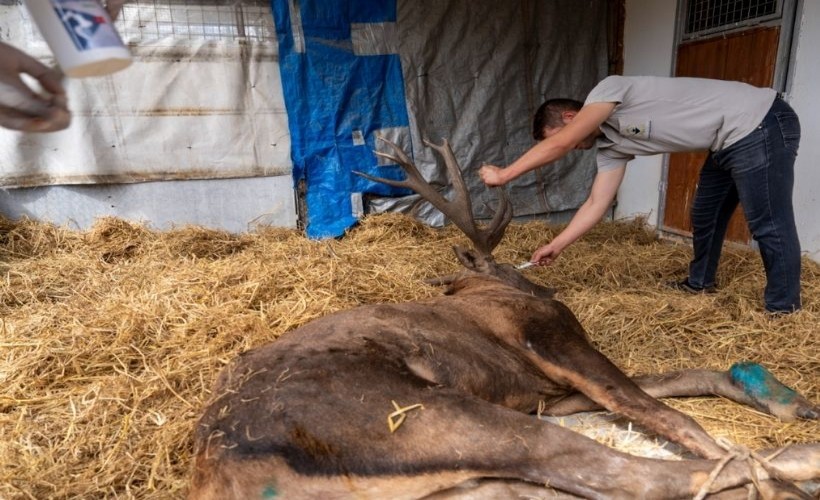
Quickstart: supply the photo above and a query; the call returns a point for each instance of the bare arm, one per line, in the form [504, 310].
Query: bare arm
[585, 123]
[604, 188]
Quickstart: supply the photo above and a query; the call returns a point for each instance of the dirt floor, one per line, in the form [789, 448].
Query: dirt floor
[111, 338]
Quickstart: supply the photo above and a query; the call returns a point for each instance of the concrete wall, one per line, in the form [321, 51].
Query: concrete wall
[234, 205]
[649, 50]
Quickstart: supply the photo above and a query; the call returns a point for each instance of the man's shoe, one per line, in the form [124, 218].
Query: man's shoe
[685, 286]
[779, 313]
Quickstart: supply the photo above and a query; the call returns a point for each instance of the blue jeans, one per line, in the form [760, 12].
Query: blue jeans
[758, 172]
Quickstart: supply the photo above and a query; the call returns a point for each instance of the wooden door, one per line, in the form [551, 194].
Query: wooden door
[748, 56]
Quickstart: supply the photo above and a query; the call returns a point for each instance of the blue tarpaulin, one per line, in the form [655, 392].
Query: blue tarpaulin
[338, 96]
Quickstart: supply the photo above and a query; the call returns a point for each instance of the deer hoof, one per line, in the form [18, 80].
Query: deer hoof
[769, 394]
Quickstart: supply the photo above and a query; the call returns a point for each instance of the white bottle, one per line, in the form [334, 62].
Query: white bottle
[81, 35]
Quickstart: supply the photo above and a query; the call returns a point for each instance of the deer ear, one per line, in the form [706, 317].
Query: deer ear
[471, 259]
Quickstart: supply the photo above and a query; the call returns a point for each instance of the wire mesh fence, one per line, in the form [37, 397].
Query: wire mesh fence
[196, 19]
[704, 16]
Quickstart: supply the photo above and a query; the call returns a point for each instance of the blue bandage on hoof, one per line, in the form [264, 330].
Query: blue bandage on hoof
[760, 385]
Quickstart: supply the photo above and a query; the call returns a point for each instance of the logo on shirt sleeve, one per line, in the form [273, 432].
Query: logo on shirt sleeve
[636, 129]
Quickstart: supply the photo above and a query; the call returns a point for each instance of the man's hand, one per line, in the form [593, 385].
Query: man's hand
[492, 175]
[546, 254]
[20, 107]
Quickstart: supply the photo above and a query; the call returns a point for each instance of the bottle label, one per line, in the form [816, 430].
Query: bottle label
[86, 25]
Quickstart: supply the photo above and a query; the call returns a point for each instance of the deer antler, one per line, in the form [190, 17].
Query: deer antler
[460, 209]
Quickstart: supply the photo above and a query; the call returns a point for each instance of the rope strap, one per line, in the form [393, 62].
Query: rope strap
[738, 452]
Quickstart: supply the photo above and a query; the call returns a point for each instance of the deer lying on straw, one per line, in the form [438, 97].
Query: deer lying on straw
[426, 398]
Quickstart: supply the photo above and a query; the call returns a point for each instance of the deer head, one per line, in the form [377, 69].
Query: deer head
[460, 211]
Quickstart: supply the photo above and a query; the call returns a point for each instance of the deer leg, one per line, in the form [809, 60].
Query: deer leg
[577, 364]
[493, 489]
[745, 383]
[495, 441]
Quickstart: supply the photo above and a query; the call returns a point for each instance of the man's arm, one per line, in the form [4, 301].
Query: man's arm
[585, 123]
[604, 188]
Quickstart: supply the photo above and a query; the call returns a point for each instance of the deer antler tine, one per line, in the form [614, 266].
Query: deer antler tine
[389, 182]
[503, 216]
[401, 158]
[388, 157]
[454, 172]
[400, 155]
[415, 181]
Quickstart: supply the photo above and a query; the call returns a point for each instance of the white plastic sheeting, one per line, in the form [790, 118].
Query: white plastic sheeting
[188, 108]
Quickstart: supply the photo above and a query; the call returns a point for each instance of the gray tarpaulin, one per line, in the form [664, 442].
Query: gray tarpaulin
[475, 72]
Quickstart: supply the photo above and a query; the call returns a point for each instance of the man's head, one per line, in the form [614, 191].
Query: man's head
[553, 115]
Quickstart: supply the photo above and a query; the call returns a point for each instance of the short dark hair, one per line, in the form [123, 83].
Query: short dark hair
[549, 115]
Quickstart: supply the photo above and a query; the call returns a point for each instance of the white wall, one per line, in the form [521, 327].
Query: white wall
[804, 96]
[649, 37]
[648, 50]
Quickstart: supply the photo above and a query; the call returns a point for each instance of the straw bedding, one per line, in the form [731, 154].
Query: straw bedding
[111, 338]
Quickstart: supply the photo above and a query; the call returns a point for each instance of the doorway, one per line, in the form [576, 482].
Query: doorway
[742, 40]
